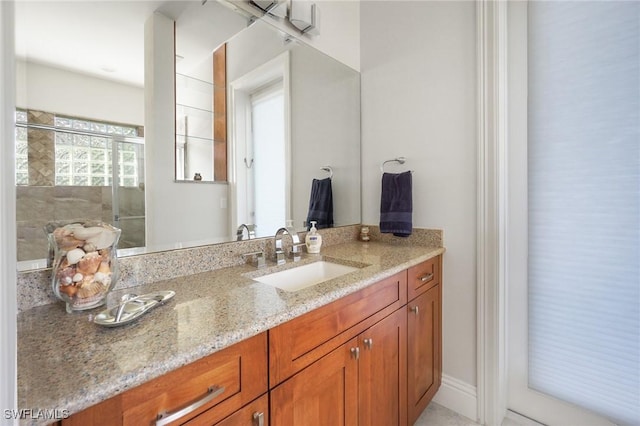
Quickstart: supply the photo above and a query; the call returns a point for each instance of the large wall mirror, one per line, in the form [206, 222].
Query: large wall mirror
[84, 150]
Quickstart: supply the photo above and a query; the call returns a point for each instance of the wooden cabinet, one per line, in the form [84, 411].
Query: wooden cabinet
[217, 385]
[363, 379]
[382, 372]
[303, 340]
[370, 358]
[324, 393]
[424, 337]
[423, 276]
[255, 413]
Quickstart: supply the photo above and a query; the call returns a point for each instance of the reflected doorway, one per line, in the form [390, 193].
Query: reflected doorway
[261, 182]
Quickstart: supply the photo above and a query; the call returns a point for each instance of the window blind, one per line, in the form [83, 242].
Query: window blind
[584, 204]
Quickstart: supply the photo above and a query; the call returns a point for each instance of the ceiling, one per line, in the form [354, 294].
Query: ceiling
[100, 38]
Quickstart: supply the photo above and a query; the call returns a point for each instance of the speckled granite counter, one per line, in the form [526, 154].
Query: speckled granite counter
[66, 362]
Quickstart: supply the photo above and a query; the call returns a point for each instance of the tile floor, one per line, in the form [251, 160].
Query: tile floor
[437, 415]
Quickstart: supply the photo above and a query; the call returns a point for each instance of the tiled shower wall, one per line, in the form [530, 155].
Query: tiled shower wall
[37, 205]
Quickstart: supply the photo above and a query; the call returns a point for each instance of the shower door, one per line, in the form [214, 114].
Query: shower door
[127, 190]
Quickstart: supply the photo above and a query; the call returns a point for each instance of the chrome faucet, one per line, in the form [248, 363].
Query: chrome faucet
[296, 245]
[251, 233]
[258, 256]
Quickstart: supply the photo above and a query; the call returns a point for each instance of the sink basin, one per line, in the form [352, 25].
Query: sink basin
[304, 276]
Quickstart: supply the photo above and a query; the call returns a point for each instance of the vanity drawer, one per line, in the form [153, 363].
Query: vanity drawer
[236, 375]
[226, 380]
[424, 276]
[303, 340]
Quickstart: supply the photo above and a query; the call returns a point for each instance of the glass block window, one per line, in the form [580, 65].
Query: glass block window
[22, 148]
[82, 159]
[95, 126]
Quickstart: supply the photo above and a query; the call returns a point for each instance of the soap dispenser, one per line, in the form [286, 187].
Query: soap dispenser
[313, 239]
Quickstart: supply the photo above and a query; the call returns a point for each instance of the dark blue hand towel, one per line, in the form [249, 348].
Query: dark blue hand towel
[396, 206]
[321, 204]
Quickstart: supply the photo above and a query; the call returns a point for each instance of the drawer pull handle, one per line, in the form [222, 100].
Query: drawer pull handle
[355, 352]
[368, 343]
[258, 419]
[165, 418]
[426, 278]
[415, 310]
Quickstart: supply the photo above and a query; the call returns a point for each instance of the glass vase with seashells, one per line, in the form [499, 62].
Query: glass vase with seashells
[83, 257]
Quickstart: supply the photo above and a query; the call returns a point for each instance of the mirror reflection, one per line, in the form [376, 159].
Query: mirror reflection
[97, 91]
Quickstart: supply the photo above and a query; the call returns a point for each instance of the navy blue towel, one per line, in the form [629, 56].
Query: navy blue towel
[396, 206]
[321, 204]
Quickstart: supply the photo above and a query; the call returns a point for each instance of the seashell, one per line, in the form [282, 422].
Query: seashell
[104, 239]
[65, 239]
[103, 278]
[77, 277]
[89, 247]
[104, 268]
[106, 254]
[89, 263]
[83, 233]
[87, 280]
[70, 227]
[90, 288]
[74, 256]
[67, 272]
[69, 290]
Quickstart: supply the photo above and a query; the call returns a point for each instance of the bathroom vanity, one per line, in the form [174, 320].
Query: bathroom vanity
[363, 348]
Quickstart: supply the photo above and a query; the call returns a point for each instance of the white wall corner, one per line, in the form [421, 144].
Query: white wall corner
[458, 396]
[8, 334]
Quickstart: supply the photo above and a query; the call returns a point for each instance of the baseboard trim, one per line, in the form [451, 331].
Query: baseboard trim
[458, 396]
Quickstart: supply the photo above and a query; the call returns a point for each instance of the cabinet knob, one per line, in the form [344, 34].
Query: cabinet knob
[355, 352]
[368, 343]
[415, 310]
[258, 419]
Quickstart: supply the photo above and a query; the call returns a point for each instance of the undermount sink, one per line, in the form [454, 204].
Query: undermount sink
[304, 276]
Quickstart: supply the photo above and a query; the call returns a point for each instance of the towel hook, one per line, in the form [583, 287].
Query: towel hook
[400, 160]
[327, 169]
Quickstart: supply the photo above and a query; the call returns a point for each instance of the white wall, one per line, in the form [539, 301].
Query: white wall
[418, 64]
[8, 355]
[45, 88]
[185, 212]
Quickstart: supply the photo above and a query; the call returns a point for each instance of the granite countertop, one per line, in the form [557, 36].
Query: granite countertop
[66, 362]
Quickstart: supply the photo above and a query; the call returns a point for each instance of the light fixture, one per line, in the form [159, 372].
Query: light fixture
[305, 16]
[272, 7]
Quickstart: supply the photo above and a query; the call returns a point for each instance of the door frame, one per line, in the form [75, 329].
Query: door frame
[239, 129]
[492, 210]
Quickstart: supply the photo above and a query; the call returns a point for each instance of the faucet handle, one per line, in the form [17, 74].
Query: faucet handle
[296, 251]
[259, 256]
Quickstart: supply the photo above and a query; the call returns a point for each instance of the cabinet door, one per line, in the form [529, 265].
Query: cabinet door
[323, 394]
[424, 343]
[383, 372]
